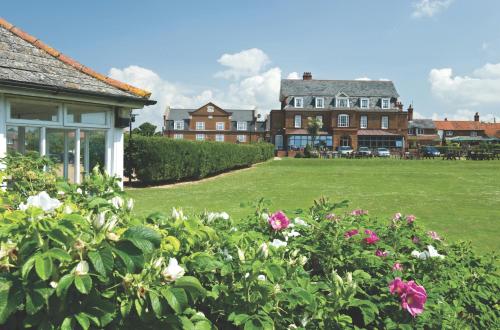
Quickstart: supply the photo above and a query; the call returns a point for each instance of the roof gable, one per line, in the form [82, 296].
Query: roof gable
[26, 59]
[203, 111]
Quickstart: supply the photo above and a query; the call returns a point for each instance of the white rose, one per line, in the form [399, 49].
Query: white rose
[43, 201]
[117, 202]
[177, 214]
[261, 277]
[130, 204]
[82, 268]
[99, 220]
[53, 284]
[264, 250]
[300, 222]
[173, 271]
[276, 243]
[224, 215]
[79, 191]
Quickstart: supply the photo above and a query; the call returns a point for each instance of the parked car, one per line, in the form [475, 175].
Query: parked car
[430, 151]
[364, 151]
[382, 152]
[345, 150]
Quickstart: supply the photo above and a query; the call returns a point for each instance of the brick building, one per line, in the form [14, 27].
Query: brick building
[467, 130]
[421, 132]
[212, 123]
[354, 113]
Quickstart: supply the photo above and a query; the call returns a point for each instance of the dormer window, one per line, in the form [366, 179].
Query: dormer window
[386, 103]
[298, 102]
[342, 102]
[364, 103]
[178, 124]
[210, 108]
[241, 126]
[320, 102]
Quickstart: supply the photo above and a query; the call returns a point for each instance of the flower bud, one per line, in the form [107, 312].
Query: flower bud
[241, 255]
[264, 250]
[82, 268]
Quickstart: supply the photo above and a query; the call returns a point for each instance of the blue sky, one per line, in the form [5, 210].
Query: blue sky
[444, 55]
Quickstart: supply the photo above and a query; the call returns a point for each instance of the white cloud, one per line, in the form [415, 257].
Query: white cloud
[363, 79]
[463, 114]
[429, 8]
[482, 88]
[293, 75]
[243, 64]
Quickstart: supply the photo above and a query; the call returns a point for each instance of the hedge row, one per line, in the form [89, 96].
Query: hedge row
[159, 159]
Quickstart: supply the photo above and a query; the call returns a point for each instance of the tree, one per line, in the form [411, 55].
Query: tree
[145, 129]
[313, 127]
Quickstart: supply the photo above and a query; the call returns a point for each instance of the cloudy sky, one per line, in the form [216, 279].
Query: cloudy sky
[443, 55]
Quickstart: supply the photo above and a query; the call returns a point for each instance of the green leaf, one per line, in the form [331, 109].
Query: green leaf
[96, 257]
[67, 324]
[191, 285]
[83, 320]
[131, 256]
[156, 304]
[176, 298]
[27, 267]
[125, 307]
[59, 254]
[43, 266]
[83, 283]
[144, 238]
[64, 284]
[34, 301]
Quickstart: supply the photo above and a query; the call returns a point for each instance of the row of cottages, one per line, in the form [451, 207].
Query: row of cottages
[212, 123]
[51, 104]
[353, 112]
[434, 132]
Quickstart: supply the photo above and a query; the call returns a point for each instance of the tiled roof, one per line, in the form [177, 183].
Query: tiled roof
[352, 88]
[458, 125]
[492, 129]
[375, 132]
[26, 59]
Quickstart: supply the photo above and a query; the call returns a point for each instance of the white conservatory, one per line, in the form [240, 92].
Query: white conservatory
[59, 108]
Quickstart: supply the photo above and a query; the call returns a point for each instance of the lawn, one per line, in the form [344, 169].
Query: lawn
[458, 199]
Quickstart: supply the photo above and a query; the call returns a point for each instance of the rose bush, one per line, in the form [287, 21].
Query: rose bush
[75, 256]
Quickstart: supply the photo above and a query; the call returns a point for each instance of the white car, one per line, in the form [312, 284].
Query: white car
[345, 150]
[383, 152]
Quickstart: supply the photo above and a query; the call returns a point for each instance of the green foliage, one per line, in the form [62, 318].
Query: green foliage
[157, 159]
[146, 129]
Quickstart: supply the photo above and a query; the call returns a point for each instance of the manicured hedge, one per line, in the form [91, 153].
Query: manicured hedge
[159, 159]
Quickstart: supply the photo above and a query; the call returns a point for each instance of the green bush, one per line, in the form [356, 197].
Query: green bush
[158, 159]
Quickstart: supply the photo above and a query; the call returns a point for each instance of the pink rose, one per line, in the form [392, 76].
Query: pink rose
[410, 218]
[434, 235]
[359, 212]
[380, 253]
[412, 296]
[397, 266]
[278, 220]
[351, 233]
[372, 237]
[397, 216]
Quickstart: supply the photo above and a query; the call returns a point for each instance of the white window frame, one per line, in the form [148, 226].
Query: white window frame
[200, 126]
[339, 120]
[241, 126]
[322, 99]
[178, 136]
[296, 102]
[449, 133]
[82, 125]
[218, 126]
[419, 131]
[219, 137]
[410, 131]
[241, 138]
[178, 125]
[384, 119]
[297, 121]
[367, 103]
[200, 137]
[365, 121]
[388, 100]
[473, 133]
[210, 108]
[337, 99]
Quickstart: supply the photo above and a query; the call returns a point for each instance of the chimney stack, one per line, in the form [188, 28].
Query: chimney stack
[410, 113]
[307, 76]
[476, 116]
[446, 119]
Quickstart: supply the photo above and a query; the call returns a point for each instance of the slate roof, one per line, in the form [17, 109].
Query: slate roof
[353, 88]
[24, 59]
[421, 123]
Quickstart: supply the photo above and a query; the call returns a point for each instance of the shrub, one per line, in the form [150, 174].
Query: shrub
[158, 159]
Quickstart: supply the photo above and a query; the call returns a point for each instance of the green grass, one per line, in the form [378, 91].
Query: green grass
[458, 199]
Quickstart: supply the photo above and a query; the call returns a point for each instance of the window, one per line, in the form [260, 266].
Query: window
[200, 125]
[297, 142]
[297, 123]
[200, 137]
[219, 126]
[178, 136]
[85, 114]
[241, 138]
[219, 137]
[320, 102]
[34, 110]
[241, 126]
[386, 103]
[179, 125]
[410, 131]
[473, 133]
[363, 122]
[210, 108]
[342, 102]
[343, 121]
[365, 103]
[385, 122]
[298, 102]
[449, 133]
[419, 131]
[320, 119]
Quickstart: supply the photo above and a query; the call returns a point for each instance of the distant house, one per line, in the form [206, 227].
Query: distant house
[212, 123]
[53, 105]
[354, 113]
[467, 131]
[421, 132]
